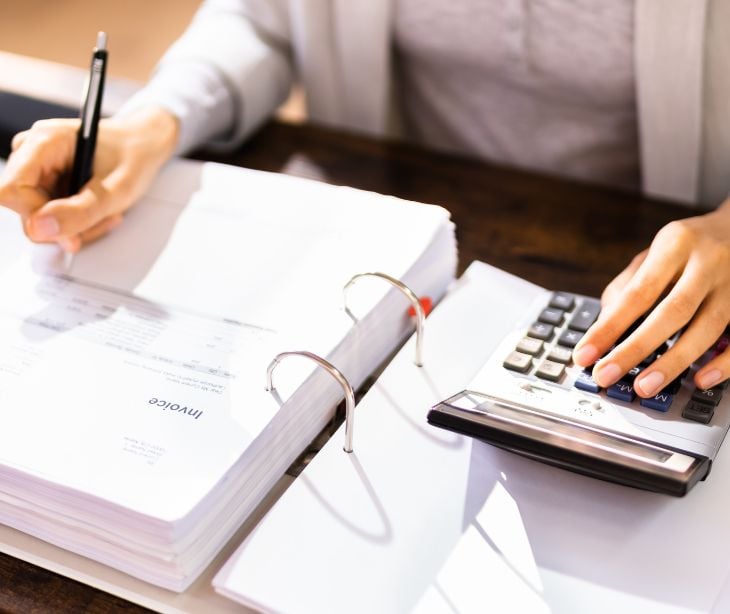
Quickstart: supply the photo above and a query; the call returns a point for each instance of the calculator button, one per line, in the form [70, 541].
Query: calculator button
[531, 346]
[661, 402]
[710, 396]
[699, 412]
[722, 344]
[551, 316]
[558, 354]
[648, 360]
[540, 330]
[517, 361]
[631, 375]
[585, 315]
[584, 381]
[550, 370]
[562, 300]
[673, 386]
[622, 392]
[569, 338]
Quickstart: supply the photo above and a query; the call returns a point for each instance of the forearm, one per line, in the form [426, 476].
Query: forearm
[195, 95]
[225, 75]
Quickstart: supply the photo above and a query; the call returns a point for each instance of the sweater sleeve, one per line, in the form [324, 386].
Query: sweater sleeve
[227, 73]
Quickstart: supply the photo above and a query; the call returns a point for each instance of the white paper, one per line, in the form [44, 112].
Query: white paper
[421, 518]
[132, 374]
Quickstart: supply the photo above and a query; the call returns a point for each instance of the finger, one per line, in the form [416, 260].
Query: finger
[67, 217]
[75, 243]
[18, 140]
[714, 372]
[657, 270]
[667, 318]
[33, 169]
[706, 327]
[614, 288]
[22, 199]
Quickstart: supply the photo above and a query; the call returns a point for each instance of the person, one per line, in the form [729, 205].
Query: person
[631, 92]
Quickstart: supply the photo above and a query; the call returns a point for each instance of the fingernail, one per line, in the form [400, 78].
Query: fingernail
[710, 379]
[70, 245]
[586, 355]
[45, 228]
[650, 384]
[607, 375]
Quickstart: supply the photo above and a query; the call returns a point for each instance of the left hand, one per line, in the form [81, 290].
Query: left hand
[688, 264]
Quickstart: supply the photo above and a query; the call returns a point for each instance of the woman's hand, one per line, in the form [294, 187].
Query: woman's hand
[688, 268]
[129, 153]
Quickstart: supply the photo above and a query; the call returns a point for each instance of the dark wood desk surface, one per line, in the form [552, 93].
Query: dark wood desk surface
[556, 233]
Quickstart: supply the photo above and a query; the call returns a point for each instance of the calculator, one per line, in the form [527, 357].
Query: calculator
[530, 398]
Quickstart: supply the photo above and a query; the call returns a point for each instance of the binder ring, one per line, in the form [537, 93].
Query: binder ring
[334, 372]
[410, 295]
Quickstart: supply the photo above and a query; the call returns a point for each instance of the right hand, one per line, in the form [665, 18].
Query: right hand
[129, 153]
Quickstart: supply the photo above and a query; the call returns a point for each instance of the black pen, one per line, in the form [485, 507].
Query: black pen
[90, 114]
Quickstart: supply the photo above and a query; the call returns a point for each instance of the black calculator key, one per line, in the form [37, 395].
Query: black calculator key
[673, 386]
[699, 412]
[558, 354]
[517, 361]
[551, 316]
[585, 315]
[569, 338]
[530, 346]
[711, 396]
[562, 300]
[540, 330]
[631, 375]
[648, 360]
[550, 370]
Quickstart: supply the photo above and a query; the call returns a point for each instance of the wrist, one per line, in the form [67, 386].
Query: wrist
[155, 130]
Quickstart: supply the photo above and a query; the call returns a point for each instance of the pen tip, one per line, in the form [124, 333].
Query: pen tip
[101, 40]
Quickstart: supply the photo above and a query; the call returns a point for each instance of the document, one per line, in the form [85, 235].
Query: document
[136, 425]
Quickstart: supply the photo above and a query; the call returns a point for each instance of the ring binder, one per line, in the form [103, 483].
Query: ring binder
[410, 295]
[334, 372]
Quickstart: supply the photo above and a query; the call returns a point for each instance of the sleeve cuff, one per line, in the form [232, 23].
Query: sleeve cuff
[198, 96]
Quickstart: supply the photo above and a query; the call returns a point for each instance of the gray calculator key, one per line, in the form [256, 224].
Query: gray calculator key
[552, 316]
[540, 330]
[550, 370]
[558, 354]
[517, 361]
[585, 315]
[569, 338]
[562, 300]
[531, 346]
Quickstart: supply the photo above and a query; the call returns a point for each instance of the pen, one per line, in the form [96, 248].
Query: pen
[90, 114]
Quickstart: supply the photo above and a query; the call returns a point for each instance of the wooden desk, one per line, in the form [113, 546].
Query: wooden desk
[556, 233]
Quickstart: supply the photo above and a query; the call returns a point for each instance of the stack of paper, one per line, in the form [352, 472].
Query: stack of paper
[136, 427]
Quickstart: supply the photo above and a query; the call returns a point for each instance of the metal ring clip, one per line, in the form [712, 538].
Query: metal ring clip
[334, 372]
[410, 295]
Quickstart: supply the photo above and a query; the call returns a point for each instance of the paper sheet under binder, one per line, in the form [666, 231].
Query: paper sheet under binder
[421, 519]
